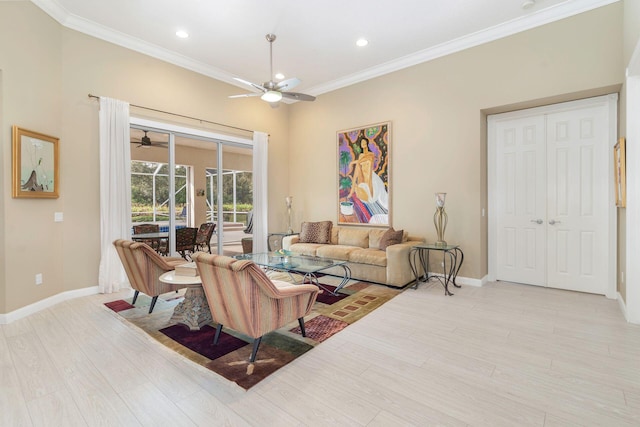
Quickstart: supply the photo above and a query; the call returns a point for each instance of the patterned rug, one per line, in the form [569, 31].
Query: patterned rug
[230, 358]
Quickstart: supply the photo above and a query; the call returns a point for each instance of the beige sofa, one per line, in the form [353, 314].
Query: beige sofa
[360, 247]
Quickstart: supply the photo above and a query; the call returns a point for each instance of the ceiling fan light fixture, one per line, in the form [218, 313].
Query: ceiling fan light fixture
[271, 96]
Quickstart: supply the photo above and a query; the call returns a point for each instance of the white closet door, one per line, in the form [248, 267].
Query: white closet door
[521, 177]
[550, 196]
[577, 240]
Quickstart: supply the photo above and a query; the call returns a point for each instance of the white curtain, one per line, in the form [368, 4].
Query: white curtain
[115, 191]
[260, 188]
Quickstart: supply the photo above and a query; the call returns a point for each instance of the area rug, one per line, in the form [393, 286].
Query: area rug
[230, 358]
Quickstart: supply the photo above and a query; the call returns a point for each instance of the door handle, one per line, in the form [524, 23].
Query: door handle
[537, 221]
[553, 222]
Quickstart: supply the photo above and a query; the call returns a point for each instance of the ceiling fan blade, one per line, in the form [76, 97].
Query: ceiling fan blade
[253, 85]
[245, 95]
[298, 96]
[288, 84]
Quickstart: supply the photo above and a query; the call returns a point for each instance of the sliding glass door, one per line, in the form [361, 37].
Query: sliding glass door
[174, 180]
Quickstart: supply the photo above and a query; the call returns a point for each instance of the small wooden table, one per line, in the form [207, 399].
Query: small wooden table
[193, 311]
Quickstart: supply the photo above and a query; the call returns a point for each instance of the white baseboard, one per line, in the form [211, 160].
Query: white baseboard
[623, 306]
[468, 281]
[46, 303]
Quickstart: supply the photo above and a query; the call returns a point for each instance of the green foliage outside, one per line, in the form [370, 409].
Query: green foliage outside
[142, 202]
[244, 188]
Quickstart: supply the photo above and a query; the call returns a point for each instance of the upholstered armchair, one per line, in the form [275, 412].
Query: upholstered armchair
[144, 267]
[242, 297]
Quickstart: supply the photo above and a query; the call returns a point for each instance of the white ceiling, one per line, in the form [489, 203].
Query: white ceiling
[315, 39]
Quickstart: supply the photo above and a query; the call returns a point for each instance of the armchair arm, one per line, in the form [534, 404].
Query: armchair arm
[269, 287]
[286, 289]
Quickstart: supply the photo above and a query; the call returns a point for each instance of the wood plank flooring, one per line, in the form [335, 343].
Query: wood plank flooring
[500, 355]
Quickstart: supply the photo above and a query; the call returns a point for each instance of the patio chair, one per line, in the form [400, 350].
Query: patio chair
[186, 241]
[249, 228]
[203, 238]
[242, 297]
[144, 268]
[148, 228]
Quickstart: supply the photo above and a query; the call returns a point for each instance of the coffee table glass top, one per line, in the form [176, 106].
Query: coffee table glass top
[299, 263]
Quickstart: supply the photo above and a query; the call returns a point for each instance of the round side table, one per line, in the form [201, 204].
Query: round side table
[193, 311]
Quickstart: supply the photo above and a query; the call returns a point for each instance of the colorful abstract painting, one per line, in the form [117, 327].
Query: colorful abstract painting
[363, 175]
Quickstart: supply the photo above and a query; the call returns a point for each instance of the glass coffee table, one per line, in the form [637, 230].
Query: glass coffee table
[307, 266]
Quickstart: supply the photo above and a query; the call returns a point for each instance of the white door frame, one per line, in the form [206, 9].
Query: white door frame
[611, 101]
[632, 303]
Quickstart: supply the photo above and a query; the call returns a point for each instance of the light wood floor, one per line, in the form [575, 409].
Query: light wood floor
[500, 355]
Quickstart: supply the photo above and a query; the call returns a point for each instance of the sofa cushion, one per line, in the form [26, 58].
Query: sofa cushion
[316, 232]
[375, 235]
[353, 237]
[340, 252]
[371, 256]
[305, 248]
[391, 237]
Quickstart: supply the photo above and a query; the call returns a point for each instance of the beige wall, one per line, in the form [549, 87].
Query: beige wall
[45, 82]
[436, 110]
[631, 25]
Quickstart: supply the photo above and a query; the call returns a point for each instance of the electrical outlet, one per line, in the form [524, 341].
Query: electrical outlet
[39, 279]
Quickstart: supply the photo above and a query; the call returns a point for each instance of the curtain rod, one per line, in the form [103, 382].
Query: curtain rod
[180, 115]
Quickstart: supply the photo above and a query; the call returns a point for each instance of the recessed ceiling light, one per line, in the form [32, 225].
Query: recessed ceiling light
[182, 34]
[528, 4]
[362, 42]
[279, 76]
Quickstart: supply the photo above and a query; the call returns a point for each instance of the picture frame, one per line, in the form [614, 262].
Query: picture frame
[364, 170]
[619, 162]
[35, 163]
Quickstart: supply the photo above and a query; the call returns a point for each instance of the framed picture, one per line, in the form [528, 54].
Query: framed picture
[619, 163]
[363, 175]
[35, 165]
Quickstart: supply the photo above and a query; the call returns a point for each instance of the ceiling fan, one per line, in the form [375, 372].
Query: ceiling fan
[146, 142]
[271, 91]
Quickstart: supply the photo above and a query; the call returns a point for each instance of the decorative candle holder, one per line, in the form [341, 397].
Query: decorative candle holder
[289, 201]
[440, 218]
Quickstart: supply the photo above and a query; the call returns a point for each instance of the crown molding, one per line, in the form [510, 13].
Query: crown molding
[535, 19]
[74, 22]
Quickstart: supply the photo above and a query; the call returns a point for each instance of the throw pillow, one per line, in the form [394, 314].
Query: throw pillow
[391, 237]
[316, 232]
